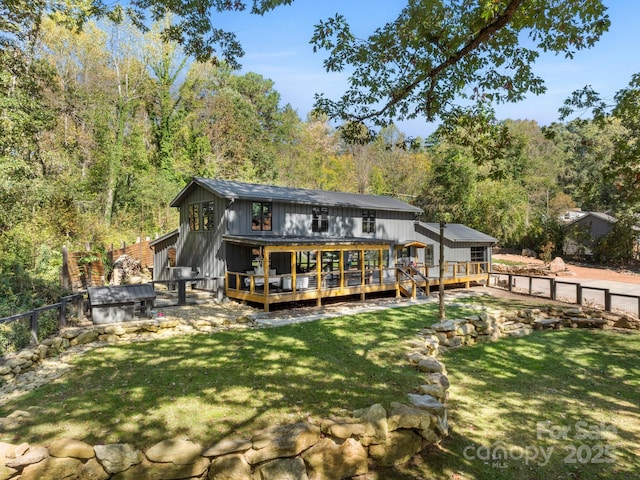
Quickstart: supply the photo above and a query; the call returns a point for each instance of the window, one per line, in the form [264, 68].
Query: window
[261, 216]
[428, 255]
[368, 221]
[320, 222]
[194, 217]
[208, 220]
[478, 254]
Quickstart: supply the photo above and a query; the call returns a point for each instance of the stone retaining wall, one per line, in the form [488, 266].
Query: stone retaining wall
[331, 448]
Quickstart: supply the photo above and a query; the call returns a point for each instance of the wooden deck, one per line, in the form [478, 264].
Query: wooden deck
[406, 281]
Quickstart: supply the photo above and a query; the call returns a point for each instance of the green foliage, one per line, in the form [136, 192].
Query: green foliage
[438, 52]
[617, 246]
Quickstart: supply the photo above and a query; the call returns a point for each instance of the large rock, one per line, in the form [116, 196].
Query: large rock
[330, 461]
[92, 470]
[406, 416]
[66, 447]
[374, 420]
[117, 457]
[53, 469]
[31, 456]
[285, 441]
[282, 469]
[342, 429]
[178, 451]
[227, 446]
[427, 403]
[400, 446]
[431, 365]
[557, 265]
[164, 471]
[230, 467]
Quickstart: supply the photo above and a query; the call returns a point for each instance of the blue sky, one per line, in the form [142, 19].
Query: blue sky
[277, 47]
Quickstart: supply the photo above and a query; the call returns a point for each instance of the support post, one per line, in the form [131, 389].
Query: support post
[441, 312]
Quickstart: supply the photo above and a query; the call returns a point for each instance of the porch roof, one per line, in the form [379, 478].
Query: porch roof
[264, 241]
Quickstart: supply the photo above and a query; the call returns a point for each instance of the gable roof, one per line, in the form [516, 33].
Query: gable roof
[457, 232]
[270, 193]
[601, 216]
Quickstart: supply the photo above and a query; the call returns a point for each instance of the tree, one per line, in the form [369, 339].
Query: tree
[439, 51]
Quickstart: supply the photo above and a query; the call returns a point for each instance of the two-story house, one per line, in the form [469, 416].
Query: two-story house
[268, 244]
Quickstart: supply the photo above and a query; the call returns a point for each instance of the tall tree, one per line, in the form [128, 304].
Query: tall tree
[439, 51]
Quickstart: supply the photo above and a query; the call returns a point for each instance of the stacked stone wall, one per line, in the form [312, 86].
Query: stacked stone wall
[329, 448]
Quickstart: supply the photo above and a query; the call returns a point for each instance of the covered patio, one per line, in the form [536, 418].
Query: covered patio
[270, 270]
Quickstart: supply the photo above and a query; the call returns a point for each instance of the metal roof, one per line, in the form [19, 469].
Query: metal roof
[270, 193]
[457, 232]
[602, 216]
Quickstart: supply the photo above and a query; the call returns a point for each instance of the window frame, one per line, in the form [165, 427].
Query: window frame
[320, 219]
[194, 217]
[474, 254]
[266, 213]
[369, 221]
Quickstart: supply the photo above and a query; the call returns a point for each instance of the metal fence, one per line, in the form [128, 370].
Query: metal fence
[568, 292]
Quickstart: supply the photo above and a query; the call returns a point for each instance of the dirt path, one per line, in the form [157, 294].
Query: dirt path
[581, 271]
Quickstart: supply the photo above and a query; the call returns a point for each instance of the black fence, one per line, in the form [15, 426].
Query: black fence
[77, 301]
[568, 292]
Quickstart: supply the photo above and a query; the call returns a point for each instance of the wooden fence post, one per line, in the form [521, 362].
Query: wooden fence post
[63, 312]
[34, 328]
[607, 300]
[553, 286]
[579, 293]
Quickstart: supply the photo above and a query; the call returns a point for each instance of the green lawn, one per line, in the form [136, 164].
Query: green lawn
[584, 384]
[211, 386]
[208, 387]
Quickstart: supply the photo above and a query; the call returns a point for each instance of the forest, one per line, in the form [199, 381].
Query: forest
[101, 127]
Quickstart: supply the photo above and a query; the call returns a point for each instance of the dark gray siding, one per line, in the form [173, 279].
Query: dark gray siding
[296, 219]
[202, 250]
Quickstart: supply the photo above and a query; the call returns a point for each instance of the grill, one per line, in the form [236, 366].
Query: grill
[117, 304]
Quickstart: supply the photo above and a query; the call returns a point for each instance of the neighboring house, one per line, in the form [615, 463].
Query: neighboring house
[582, 233]
[269, 244]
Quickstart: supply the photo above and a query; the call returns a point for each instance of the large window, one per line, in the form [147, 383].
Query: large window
[201, 216]
[261, 216]
[368, 221]
[194, 217]
[320, 222]
[208, 220]
[478, 254]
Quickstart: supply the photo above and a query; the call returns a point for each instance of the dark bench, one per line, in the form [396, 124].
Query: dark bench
[117, 303]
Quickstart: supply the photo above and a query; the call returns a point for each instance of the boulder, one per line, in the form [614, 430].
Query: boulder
[399, 447]
[178, 451]
[66, 447]
[329, 461]
[117, 457]
[285, 441]
[282, 469]
[374, 420]
[230, 467]
[557, 265]
[52, 469]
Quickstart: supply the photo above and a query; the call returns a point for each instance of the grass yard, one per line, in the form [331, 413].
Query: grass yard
[558, 404]
[562, 404]
[208, 387]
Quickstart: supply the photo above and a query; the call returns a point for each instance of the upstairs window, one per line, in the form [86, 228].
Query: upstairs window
[261, 216]
[368, 221]
[320, 222]
[201, 216]
[208, 220]
[194, 217]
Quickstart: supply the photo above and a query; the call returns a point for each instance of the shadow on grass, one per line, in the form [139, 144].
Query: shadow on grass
[562, 404]
[207, 387]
